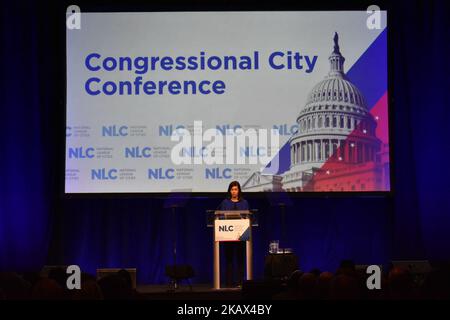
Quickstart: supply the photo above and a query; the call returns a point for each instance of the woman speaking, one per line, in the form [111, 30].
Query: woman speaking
[234, 250]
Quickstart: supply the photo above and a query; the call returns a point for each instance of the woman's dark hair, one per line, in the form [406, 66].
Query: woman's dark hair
[235, 184]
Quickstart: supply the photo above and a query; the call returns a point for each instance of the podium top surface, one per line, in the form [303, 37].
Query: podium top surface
[213, 215]
[231, 212]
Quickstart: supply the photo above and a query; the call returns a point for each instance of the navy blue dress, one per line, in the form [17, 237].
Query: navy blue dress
[227, 204]
[234, 251]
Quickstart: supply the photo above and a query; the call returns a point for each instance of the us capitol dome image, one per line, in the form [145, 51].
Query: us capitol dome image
[335, 147]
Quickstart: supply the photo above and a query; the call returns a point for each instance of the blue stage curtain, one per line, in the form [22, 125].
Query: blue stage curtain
[39, 227]
[421, 129]
[25, 192]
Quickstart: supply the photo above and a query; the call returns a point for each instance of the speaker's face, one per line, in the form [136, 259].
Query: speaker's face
[234, 192]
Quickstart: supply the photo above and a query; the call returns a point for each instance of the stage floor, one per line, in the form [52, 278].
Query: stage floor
[198, 292]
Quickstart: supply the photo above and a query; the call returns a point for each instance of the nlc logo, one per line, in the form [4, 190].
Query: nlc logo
[167, 130]
[252, 152]
[161, 174]
[226, 129]
[286, 130]
[226, 228]
[114, 131]
[138, 152]
[103, 174]
[81, 153]
[216, 173]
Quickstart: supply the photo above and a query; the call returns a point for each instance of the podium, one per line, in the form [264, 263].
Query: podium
[235, 225]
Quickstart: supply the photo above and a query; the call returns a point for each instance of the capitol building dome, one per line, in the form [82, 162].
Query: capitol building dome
[333, 125]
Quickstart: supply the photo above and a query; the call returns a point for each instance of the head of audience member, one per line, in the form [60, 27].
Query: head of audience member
[323, 285]
[347, 267]
[32, 277]
[114, 287]
[344, 287]
[47, 289]
[401, 284]
[292, 281]
[307, 285]
[59, 275]
[437, 285]
[316, 272]
[126, 276]
[87, 277]
[90, 290]
[13, 286]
